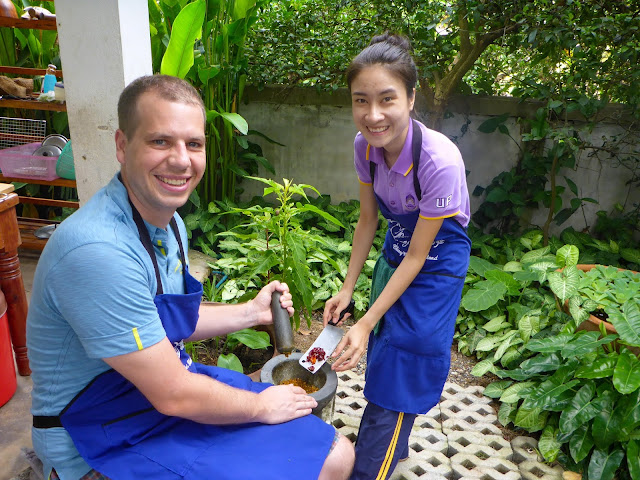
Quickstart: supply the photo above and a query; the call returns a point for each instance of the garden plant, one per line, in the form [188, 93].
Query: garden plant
[522, 317]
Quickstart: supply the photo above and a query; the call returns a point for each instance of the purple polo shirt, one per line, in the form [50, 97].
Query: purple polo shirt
[441, 174]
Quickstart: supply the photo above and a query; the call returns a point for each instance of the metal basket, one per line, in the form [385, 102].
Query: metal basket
[20, 131]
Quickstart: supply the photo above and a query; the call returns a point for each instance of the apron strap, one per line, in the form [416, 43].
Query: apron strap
[145, 238]
[416, 148]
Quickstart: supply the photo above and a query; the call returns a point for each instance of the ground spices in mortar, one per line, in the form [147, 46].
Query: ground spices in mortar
[300, 383]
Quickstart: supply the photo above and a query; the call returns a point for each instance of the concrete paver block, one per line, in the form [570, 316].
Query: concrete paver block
[470, 424]
[482, 446]
[530, 470]
[525, 448]
[493, 468]
[425, 440]
[423, 466]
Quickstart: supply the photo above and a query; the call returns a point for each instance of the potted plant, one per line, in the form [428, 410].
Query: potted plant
[614, 294]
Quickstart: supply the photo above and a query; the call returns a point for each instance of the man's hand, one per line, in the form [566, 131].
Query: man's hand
[260, 306]
[281, 403]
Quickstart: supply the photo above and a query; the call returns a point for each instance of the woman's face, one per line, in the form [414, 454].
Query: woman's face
[381, 109]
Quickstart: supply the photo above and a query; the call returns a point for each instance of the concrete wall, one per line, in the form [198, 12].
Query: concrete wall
[318, 132]
[104, 45]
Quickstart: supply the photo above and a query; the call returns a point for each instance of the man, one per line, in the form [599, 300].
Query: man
[115, 395]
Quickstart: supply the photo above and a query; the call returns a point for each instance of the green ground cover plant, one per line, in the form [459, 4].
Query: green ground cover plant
[579, 390]
[302, 240]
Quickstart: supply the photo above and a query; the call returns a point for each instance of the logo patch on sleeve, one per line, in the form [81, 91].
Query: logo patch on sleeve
[443, 202]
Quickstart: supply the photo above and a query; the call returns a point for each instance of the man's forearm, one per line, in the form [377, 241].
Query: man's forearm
[205, 400]
[218, 319]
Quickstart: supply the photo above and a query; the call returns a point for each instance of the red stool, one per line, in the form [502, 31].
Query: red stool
[7, 367]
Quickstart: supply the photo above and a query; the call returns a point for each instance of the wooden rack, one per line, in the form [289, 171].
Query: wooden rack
[32, 102]
[28, 226]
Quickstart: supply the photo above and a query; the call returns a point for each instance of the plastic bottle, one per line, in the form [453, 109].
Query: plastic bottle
[49, 82]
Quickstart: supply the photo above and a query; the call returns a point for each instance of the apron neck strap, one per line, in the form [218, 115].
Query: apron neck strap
[416, 149]
[145, 238]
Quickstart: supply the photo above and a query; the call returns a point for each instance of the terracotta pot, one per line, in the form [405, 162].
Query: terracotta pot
[593, 323]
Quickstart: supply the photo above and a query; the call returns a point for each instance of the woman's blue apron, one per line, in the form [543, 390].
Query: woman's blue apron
[409, 352]
[120, 434]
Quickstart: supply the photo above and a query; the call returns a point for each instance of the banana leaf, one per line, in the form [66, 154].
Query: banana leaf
[187, 28]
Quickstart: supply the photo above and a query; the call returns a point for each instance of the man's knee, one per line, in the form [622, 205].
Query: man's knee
[339, 462]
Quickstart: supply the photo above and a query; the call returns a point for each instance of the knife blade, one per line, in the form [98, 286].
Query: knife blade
[319, 352]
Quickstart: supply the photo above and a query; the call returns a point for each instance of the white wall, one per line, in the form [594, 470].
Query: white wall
[104, 45]
[318, 134]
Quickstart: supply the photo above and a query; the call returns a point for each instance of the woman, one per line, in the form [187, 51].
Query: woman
[416, 177]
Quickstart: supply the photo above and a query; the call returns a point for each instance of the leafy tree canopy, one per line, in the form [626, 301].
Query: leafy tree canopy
[525, 48]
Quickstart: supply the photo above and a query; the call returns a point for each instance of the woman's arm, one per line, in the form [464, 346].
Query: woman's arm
[362, 240]
[355, 340]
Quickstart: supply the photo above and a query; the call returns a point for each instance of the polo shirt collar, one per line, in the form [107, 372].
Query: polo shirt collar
[118, 193]
[404, 163]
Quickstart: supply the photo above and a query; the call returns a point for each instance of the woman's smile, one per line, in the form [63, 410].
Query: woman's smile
[381, 109]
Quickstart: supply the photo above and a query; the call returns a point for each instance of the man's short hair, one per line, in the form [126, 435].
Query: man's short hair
[167, 87]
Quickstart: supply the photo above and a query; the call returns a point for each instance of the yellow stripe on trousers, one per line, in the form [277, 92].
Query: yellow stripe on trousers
[384, 468]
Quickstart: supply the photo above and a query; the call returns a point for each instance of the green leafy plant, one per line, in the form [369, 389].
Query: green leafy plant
[551, 143]
[274, 243]
[206, 46]
[571, 385]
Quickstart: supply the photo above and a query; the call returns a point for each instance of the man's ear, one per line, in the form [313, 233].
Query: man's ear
[121, 145]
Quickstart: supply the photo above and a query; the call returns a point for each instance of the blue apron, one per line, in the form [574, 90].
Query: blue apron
[409, 353]
[121, 435]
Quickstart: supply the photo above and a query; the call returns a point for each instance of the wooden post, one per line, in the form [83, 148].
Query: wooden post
[11, 280]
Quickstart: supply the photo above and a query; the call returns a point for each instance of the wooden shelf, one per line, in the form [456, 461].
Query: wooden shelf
[30, 103]
[33, 105]
[58, 182]
[44, 24]
[27, 71]
[28, 227]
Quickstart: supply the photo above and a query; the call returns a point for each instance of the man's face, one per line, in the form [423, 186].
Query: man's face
[165, 157]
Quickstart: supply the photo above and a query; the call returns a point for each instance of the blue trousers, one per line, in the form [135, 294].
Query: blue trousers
[383, 439]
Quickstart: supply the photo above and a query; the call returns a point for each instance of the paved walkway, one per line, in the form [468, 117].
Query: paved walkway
[458, 439]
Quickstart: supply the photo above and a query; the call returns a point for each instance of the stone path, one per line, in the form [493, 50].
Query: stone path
[458, 439]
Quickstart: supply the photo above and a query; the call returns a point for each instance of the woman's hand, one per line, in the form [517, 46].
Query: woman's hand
[334, 307]
[260, 306]
[354, 344]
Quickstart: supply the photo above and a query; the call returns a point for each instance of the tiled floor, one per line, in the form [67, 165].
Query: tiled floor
[457, 439]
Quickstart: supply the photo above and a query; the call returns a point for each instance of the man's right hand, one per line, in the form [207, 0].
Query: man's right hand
[281, 403]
